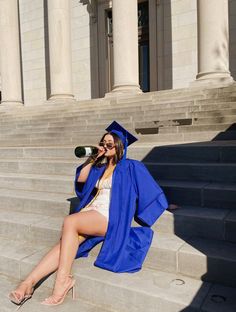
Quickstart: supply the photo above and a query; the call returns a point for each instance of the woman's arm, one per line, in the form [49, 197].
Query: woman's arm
[84, 173]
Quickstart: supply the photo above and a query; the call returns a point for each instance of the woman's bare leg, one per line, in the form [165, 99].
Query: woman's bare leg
[90, 223]
[48, 264]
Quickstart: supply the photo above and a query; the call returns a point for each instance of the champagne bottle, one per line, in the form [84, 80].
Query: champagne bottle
[86, 151]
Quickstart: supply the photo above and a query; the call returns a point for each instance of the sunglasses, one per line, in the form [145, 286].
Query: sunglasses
[108, 145]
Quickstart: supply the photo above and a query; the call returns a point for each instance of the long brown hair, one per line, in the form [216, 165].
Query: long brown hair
[118, 146]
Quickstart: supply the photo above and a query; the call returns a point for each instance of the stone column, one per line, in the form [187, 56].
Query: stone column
[213, 42]
[125, 47]
[10, 54]
[60, 58]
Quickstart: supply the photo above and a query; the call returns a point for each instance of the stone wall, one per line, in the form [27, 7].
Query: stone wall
[81, 44]
[181, 18]
[32, 30]
[232, 37]
[34, 47]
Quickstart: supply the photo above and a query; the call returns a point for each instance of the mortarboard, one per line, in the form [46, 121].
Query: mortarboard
[126, 137]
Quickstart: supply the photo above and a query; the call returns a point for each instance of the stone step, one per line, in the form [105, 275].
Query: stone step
[180, 124]
[202, 172]
[145, 121]
[139, 113]
[34, 304]
[215, 94]
[192, 221]
[25, 257]
[198, 128]
[195, 257]
[210, 91]
[78, 125]
[202, 152]
[208, 172]
[38, 182]
[37, 166]
[56, 152]
[42, 203]
[195, 116]
[145, 137]
[204, 194]
[219, 257]
[142, 109]
[198, 220]
[136, 151]
[210, 111]
[166, 252]
[199, 193]
[70, 132]
[31, 227]
[223, 119]
[127, 292]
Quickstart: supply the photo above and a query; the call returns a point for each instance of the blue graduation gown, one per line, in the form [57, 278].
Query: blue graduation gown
[134, 194]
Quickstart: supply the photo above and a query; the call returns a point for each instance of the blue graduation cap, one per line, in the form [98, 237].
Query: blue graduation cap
[126, 137]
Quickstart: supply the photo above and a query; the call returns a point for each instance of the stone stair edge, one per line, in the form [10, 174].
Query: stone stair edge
[204, 92]
[167, 227]
[85, 271]
[19, 193]
[47, 107]
[34, 304]
[182, 246]
[216, 114]
[142, 110]
[108, 104]
[138, 127]
[220, 127]
[196, 184]
[75, 161]
[161, 139]
[161, 134]
[137, 144]
[36, 176]
[50, 225]
[185, 211]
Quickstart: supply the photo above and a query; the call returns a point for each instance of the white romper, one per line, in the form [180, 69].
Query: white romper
[101, 202]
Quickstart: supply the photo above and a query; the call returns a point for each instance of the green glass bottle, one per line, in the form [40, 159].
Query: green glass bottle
[86, 151]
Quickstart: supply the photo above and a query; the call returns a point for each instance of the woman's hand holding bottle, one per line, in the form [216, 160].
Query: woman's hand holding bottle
[101, 152]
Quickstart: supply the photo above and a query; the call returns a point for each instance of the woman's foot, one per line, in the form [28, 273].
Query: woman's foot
[23, 292]
[62, 285]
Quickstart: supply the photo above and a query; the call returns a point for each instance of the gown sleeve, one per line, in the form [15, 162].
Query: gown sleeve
[151, 200]
[79, 186]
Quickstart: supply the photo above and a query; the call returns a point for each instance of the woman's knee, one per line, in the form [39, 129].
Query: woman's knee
[68, 223]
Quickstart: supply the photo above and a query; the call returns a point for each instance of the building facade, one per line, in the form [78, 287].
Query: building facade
[83, 49]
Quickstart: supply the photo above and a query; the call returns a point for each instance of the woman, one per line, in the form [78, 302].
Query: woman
[112, 190]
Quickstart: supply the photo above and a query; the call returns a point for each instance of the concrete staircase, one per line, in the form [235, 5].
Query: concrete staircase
[186, 139]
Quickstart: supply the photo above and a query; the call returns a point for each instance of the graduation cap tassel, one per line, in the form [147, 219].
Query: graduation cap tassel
[125, 148]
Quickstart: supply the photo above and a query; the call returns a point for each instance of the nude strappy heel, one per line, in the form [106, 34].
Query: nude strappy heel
[56, 300]
[13, 298]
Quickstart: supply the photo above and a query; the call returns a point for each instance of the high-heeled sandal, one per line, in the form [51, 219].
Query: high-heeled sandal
[13, 298]
[56, 299]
